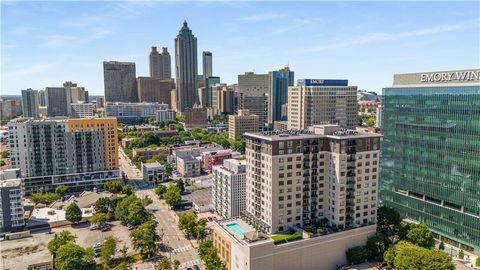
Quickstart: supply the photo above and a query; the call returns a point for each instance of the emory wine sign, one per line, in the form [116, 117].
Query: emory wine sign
[450, 76]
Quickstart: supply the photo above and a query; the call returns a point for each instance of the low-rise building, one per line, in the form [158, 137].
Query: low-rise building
[241, 123]
[212, 158]
[187, 164]
[165, 115]
[153, 172]
[129, 113]
[280, 125]
[11, 197]
[8, 109]
[228, 194]
[82, 110]
[240, 246]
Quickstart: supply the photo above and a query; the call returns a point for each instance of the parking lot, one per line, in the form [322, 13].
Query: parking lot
[87, 238]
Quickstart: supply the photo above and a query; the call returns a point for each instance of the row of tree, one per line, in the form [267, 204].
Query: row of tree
[192, 227]
[208, 254]
[403, 247]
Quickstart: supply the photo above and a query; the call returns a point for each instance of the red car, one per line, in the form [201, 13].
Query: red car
[105, 229]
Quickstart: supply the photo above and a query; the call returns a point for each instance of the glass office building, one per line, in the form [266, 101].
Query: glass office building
[430, 169]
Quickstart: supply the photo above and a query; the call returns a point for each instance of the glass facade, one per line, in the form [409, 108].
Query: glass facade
[430, 168]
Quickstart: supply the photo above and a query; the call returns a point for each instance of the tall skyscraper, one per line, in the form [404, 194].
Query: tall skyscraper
[80, 153]
[160, 64]
[431, 152]
[156, 66]
[30, 100]
[186, 68]
[279, 81]
[210, 95]
[154, 89]
[316, 101]
[119, 81]
[41, 98]
[77, 93]
[207, 65]
[166, 64]
[253, 95]
[57, 101]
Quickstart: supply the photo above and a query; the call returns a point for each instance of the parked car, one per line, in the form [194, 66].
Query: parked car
[195, 267]
[131, 226]
[105, 229]
[94, 227]
[97, 245]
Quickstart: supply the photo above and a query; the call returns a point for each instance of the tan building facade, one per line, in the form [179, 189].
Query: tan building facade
[297, 178]
[312, 105]
[155, 89]
[316, 253]
[241, 123]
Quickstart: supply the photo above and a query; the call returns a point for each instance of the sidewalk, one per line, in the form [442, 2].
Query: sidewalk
[469, 259]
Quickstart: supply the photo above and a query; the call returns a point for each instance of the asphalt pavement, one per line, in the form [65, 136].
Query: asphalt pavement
[175, 245]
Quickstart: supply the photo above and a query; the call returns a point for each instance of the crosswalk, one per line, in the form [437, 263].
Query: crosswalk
[182, 249]
[190, 263]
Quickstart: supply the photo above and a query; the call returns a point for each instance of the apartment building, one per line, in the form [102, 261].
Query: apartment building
[318, 101]
[295, 178]
[130, 113]
[82, 110]
[228, 193]
[241, 123]
[187, 164]
[11, 197]
[80, 153]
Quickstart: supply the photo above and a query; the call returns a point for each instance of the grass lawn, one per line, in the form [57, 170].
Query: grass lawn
[283, 238]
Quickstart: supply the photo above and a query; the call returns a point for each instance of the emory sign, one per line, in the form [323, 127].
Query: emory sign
[450, 76]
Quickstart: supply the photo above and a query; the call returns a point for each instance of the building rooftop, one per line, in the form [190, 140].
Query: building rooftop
[316, 131]
[85, 200]
[153, 165]
[10, 183]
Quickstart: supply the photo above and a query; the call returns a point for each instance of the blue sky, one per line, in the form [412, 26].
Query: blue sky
[47, 43]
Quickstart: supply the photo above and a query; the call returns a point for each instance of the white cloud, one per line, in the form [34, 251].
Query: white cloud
[59, 40]
[377, 38]
[260, 17]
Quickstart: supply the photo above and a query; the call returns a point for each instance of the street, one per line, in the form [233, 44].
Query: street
[127, 167]
[175, 243]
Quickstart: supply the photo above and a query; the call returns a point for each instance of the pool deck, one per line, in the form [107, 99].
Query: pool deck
[242, 224]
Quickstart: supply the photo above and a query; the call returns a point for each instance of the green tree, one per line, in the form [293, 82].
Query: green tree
[208, 254]
[137, 213]
[113, 186]
[187, 223]
[70, 257]
[407, 256]
[59, 240]
[127, 189]
[45, 198]
[238, 145]
[103, 205]
[146, 201]
[370, 122]
[2, 163]
[181, 185]
[377, 244]
[200, 228]
[173, 196]
[358, 254]
[176, 264]
[164, 264]
[122, 207]
[98, 218]
[477, 262]
[441, 246]
[89, 255]
[124, 251]
[122, 266]
[461, 254]
[388, 220]
[143, 239]
[73, 213]
[420, 235]
[5, 154]
[108, 250]
[61, 190]
[160, 190]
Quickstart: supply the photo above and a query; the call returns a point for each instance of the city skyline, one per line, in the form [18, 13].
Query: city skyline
[362, 42]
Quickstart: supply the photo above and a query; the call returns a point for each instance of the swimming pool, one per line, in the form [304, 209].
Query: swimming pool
[237, 229]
